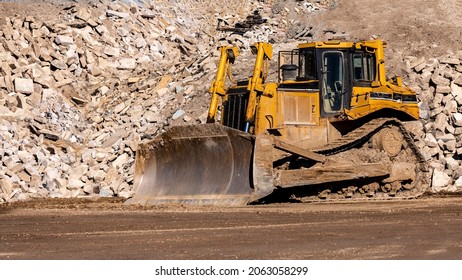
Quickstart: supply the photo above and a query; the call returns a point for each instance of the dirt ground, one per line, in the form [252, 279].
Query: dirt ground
[426, 228]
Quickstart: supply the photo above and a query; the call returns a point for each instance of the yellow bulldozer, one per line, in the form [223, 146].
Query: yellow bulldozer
[331, 128]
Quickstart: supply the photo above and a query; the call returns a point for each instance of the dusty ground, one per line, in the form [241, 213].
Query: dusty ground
[427, 228]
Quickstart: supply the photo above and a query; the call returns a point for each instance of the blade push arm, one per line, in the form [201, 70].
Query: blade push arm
[228, 55]
[264, 52]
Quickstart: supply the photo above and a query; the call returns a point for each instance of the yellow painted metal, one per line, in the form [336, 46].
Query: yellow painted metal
[300, 108]
[264, 51]
[297, 116]
[228, 55]
[360, 97]
[300, 119]
[361, 102]
[376, 105]
[376, 47]
[266, 112]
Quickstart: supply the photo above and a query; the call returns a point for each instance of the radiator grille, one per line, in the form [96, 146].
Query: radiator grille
[234, 109]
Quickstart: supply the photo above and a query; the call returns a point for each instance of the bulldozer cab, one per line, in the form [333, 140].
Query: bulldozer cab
[320, 69]
[349, 76]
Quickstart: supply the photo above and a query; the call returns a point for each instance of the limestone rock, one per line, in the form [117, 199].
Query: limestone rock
[117, 14]
[440, 181]
[64, 40]
[75, 184]
[440, 80]
[24, 85]
[127, 64]
[120, 161]
[457, 119]
[458, 184]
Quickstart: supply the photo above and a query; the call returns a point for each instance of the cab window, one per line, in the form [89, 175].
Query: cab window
[307, 64]
[364, 67]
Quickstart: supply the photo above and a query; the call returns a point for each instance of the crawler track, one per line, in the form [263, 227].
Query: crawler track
[358, 144]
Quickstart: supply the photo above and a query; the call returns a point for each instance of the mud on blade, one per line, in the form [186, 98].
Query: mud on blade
[201, 164]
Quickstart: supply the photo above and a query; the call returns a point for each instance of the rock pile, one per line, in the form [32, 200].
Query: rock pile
[438, 83]
[78, 93]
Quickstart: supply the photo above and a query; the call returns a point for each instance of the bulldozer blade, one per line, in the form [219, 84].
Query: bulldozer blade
[262, 167]
[198, 164]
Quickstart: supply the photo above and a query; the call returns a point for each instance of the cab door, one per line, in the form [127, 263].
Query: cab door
[333, 86]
